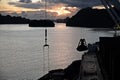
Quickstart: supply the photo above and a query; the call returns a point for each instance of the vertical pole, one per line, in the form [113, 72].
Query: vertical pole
[43, 61]
[46, 59]
[45, 9]
[46, 54]
[46, 36]
[46, 47]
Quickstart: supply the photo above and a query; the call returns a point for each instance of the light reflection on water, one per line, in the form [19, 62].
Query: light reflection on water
[21, 49]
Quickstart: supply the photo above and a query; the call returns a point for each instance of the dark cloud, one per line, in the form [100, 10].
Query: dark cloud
[78, 3]
[25, 1]
[72, 3]
[37, 5]
[28, 5]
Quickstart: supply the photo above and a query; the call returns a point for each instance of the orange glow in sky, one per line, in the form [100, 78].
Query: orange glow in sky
[98, 7]
[58, 10]
[14, 9]
[4, 6]
[62, 11]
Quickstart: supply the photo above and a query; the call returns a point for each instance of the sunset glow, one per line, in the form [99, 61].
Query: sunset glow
[60, 10]
[11, 9]
[55, 8]
[98, 7]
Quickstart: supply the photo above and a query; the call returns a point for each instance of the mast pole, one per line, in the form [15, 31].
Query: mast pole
[46, 46]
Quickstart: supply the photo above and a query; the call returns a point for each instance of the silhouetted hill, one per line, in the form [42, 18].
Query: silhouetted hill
[89, 17]
[19, 20]
[13, 20]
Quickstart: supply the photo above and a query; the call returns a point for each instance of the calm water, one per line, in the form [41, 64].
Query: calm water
[21, 49]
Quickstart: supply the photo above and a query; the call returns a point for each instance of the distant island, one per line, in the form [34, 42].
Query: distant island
[13, 20]
[20, 20]
[41, 23]
[88, 17]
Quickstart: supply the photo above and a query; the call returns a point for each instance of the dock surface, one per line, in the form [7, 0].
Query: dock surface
[90, 69]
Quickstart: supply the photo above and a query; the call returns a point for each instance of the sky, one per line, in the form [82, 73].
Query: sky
[35, 9]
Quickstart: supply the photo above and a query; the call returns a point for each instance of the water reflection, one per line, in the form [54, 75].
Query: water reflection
[17, 27]
[21, 49]
[60, 26]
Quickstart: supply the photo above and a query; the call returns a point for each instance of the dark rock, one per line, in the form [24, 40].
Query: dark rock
[69, 73]
[72, 71]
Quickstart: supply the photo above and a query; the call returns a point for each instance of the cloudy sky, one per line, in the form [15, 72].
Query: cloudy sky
[35, 9]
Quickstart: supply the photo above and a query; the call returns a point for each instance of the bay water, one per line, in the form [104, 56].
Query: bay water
[21, 48]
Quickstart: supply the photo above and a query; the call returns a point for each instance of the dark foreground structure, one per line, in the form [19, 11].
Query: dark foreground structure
[109, 57]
